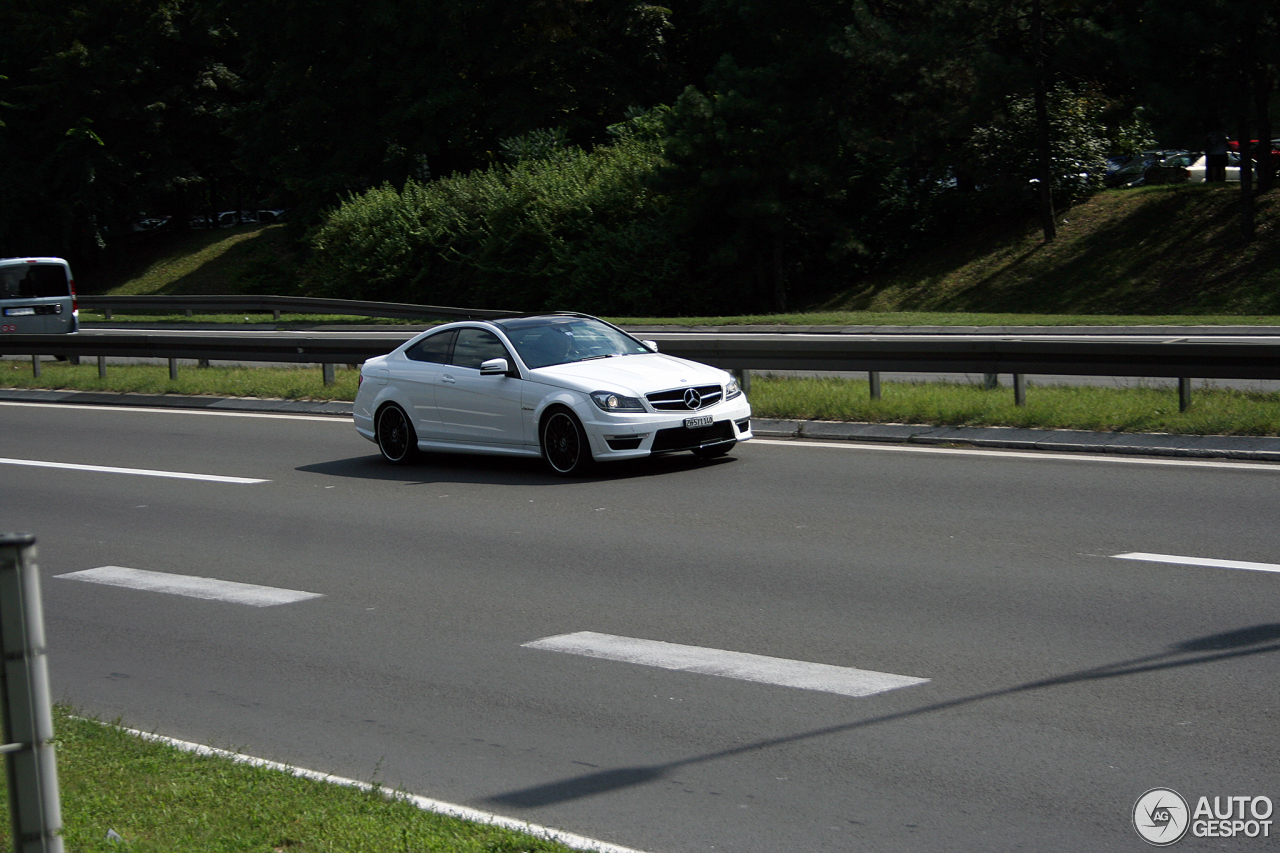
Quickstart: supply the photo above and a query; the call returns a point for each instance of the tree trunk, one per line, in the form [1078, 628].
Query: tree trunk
[1044, 154]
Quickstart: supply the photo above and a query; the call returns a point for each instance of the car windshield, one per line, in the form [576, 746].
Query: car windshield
[544, 341]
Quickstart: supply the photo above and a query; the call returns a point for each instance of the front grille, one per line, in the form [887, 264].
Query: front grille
[675, 399]
[681, 438]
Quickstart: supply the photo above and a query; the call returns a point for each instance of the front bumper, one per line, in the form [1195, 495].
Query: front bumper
[637, 435]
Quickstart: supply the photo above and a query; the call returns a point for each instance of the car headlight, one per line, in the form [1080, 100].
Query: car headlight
[610, 402]
[731, 389]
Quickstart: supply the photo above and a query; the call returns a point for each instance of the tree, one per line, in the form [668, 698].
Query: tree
[346, 94]
[114, 110]
[1215, 68]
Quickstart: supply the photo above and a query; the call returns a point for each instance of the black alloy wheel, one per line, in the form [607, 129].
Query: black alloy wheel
[564, 444]
[396, 438]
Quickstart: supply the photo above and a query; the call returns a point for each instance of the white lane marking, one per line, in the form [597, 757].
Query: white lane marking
[138, 472]
[1200, 561]
[342, 419]
[1024, 454]
[845, 681]
[568, 839]
[210, 589]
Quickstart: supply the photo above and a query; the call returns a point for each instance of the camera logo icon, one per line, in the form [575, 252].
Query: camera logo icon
[1161, 817]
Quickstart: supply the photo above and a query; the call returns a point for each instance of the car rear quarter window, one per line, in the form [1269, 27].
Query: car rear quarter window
[434, 349]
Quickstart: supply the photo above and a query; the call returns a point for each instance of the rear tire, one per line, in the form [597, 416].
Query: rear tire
[396, 438]
[565, 445]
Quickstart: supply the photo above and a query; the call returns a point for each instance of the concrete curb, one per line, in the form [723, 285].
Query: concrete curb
[1251, 448]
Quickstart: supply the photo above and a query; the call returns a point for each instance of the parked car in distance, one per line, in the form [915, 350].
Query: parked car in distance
[37, 296]
[1197, 170]
[1132, 172]
[569, 388]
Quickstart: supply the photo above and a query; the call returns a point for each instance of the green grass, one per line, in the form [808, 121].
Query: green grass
[1175, 249]
[954, 319]
[286, 383]
[156, 797]
[216, 261]
[1214, 411]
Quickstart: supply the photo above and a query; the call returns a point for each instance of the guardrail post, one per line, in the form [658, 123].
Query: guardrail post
[990, 381]
[35, 366]
[873, 378]
[35, 811]
[1184, 393]
[326, 370]
[102, 367]
[1019, 389]
[173, 369]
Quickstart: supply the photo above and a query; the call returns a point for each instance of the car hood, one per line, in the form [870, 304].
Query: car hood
[640, 374]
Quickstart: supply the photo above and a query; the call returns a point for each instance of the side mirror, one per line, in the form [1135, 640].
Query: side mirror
[651, 345]
[495, 367]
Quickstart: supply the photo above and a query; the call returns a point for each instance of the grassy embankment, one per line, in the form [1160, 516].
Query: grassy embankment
[1159, 256]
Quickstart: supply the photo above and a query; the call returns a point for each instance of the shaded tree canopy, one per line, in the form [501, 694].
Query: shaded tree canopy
[803, 141]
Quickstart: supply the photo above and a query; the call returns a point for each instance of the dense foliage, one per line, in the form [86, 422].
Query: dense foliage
[460, 150]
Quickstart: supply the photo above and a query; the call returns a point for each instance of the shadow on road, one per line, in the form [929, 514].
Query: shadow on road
[436, 468]
[1245, 642]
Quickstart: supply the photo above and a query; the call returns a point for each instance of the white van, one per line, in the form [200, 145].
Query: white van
[37, 296]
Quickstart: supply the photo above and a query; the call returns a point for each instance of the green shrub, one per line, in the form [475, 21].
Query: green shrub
[568, 229]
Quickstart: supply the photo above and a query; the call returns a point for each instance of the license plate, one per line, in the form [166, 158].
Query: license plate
[19, 312]
[698, 422]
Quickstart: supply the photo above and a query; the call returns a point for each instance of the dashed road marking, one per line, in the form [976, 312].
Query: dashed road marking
[140, 472]
[1200, 561]
[845, 681]
[210, 589]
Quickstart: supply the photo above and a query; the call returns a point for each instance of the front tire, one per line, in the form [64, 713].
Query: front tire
[565, 445]
[396, 438]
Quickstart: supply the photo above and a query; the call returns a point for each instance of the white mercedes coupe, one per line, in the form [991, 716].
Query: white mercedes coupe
[569, 388]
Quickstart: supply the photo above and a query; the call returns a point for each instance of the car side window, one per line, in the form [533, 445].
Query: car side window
[433, 349]
[476, 346]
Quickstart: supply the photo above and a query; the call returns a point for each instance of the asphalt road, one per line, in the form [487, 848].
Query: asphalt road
[1058, 681]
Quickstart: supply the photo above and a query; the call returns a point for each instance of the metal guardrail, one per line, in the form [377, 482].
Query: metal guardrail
[276, 305]
[1183, 359]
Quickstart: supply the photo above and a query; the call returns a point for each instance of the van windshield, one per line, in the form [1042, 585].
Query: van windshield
[33, 281]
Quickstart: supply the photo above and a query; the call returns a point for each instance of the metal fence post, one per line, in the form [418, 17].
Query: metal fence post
[35, 810]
